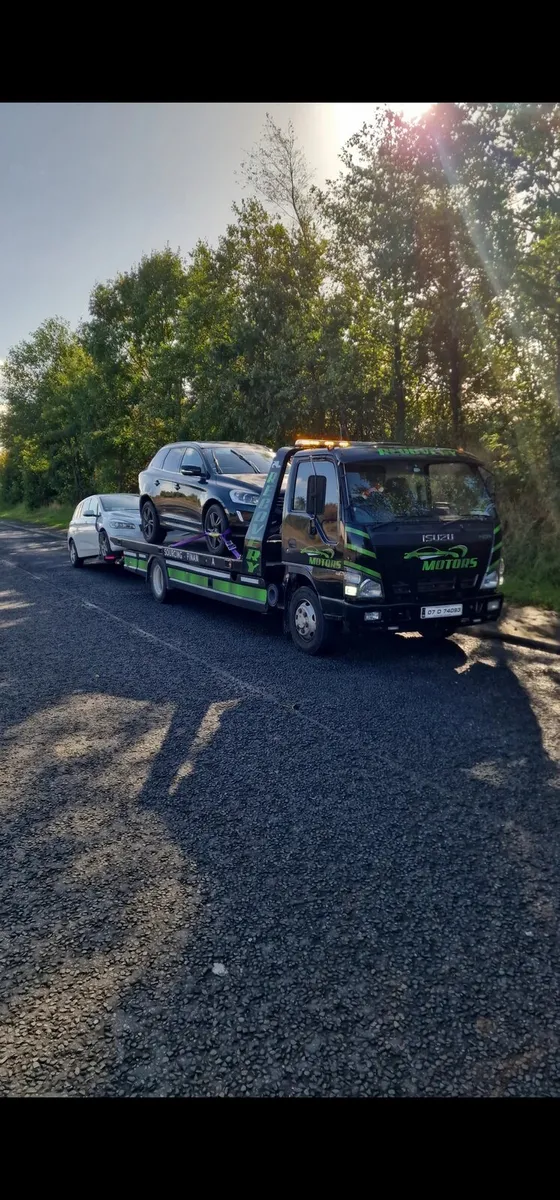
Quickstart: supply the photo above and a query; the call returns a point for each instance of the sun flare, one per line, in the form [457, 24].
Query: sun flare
[348, 118]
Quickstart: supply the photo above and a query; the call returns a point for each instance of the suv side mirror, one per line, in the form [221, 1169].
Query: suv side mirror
[316, 495]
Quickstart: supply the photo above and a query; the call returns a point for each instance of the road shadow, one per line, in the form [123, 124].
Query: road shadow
[210, 892]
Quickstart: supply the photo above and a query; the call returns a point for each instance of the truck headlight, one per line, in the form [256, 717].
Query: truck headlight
[371, 589]
[356, 585]
[244, 499]
[494, 578]
[352, 581]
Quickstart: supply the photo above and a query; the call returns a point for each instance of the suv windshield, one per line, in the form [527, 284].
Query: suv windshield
[383, 492]
[112, 503]
[242, 462]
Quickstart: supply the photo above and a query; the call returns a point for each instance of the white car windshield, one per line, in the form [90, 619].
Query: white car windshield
[118, 503]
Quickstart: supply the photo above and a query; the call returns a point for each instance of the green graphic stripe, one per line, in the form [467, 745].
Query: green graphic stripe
[496, 549]
[497, 529]
[360, 550]
[359, 532]
[366, 570]
[183, 576]
[239, 589]
[135, 564]
[245, 592]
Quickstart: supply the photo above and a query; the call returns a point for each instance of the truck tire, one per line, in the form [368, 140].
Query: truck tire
[309, 630]
[158, 582]
[151, 528]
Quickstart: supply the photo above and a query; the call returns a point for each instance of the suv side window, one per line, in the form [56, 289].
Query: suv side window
[173, 458]
[158, 459]
[192, 458]
[329, 516]
[299, 495]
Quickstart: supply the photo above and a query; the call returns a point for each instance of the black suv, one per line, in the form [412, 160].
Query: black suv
[202, 487]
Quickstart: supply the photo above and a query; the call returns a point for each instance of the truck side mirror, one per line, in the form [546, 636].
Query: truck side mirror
[489, 481]
[316, 495]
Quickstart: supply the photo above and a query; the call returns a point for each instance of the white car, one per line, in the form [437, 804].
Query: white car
[97, 521]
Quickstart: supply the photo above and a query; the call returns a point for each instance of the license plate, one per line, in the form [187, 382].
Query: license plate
[441, 610]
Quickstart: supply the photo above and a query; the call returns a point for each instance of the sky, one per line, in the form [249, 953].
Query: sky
[87, 189]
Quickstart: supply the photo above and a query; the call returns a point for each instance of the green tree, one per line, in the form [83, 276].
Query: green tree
[132, 338]
[47, 389]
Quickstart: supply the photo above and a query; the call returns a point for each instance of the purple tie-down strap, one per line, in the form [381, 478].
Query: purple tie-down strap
[198, 537]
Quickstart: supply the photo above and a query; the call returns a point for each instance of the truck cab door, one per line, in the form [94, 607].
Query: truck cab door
[311, 533]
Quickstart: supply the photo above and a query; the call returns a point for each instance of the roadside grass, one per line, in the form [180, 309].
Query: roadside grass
[55, 516]
[532, 556]
[527, 588]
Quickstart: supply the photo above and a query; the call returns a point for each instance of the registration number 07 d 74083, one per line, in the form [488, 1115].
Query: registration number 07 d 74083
[441, 610]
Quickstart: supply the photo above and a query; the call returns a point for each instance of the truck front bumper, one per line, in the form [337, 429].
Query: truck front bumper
[408, 617]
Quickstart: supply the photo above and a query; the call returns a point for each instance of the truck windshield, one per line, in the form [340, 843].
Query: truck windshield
[383, 492]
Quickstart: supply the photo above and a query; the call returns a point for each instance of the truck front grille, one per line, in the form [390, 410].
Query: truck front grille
[446, 584]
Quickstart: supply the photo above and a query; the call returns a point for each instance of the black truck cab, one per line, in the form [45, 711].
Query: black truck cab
[353, 535]
[391, 537]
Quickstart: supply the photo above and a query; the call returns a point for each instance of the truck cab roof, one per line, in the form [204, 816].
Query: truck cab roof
[345, 451]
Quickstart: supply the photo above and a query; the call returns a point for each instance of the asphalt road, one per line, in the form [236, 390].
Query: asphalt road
[226, 869]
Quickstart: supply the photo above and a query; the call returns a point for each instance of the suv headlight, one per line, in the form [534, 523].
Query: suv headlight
[244, 499]
[356, 585]
[494, 578]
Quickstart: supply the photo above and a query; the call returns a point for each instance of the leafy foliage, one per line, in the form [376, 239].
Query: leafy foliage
[416, 295]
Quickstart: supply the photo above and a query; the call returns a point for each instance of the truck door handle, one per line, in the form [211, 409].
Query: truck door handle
[291, 543]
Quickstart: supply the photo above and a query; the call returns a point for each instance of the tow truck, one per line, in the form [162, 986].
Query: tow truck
[352, 536]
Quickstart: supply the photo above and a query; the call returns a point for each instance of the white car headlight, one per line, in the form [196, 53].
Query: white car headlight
[494, 578]
[245, 499]
[122, 524]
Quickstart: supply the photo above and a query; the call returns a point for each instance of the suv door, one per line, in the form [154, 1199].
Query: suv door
[167, 499]
[192, 493]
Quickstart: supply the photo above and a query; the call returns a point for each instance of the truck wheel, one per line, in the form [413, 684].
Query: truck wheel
[439, 635]
[75, 559]
[151, 527]
[215, 524]
[158, 583]
[310, 632]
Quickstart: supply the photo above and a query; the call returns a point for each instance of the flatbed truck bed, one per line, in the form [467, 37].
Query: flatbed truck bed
[327, 569]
